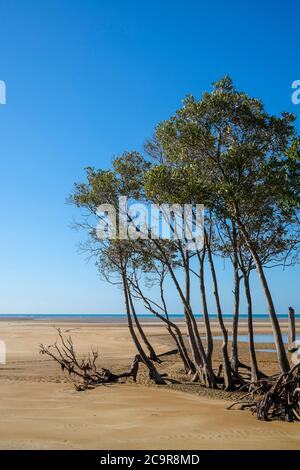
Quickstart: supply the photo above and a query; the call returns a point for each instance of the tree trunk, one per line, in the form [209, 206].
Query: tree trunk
[227, 369]
[152, 353]
[192, 336]
[192, 339]
[252, 353]
[205, 371]
[234, 345]
[177, 336]
[203, 367]
[187, 363]
[209, 337]
[153, 373]
[281, 354]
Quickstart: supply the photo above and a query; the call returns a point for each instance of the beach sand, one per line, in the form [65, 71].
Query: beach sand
[40, 408]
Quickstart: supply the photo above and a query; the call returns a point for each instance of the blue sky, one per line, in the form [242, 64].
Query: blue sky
[88, 79]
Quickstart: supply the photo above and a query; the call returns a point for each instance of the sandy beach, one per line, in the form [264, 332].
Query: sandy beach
[40, 408]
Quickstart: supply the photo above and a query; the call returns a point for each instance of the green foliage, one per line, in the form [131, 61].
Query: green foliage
[227, 152]
[224, 151]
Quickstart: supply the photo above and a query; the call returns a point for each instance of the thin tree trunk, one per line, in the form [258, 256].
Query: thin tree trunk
[152, 353]
[206, 371]
[192, 339]
[177, 336]
[252, 353]
[203, 367]
[281, 354]
[153, 373]
[209, 337]
[191, 327]
[234, 345]
[189, 365]
[227, 369]
[234, 360]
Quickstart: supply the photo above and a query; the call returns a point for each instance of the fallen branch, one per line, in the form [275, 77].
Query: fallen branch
[85, 371]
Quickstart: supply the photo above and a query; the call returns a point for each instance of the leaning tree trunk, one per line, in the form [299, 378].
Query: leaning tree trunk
[281, 354]
[204, 369]
[234, 345]
[152, 353]
[177, 336]
[153, 373]
[197, 352]
[209, 337]
[228, 382]
[188, 364]
[191, 327]
[178, 339]
[192, 340]
[180, 350]
[252, 353]
[205, 372]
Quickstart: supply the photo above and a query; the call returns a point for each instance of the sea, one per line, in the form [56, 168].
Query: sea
[120, 317]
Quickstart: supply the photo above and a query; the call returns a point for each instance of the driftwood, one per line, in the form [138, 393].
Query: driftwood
[85, 371]
[275, 398]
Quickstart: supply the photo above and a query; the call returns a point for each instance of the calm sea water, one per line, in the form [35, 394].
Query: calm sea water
[121, 316]
[258, 338]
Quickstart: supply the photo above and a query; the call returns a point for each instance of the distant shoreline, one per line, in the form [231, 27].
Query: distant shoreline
[121, 318]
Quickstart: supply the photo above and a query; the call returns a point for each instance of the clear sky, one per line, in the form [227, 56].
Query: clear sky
[87, 79]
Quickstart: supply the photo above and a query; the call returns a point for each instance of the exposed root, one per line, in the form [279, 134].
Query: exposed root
[275, 398]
